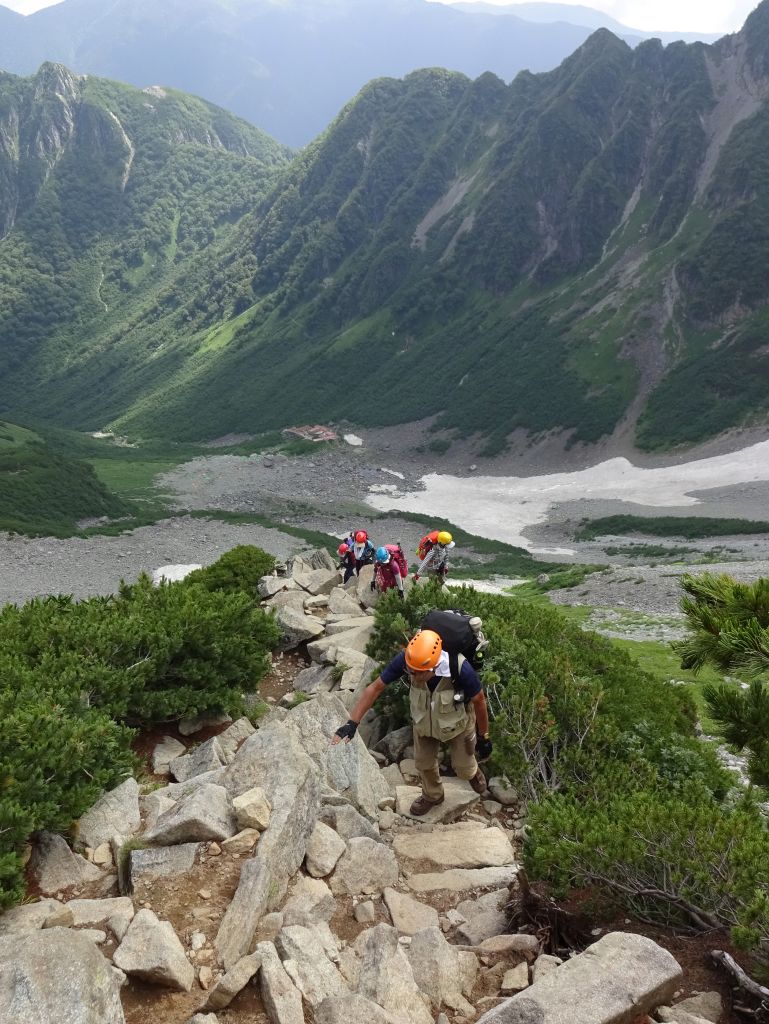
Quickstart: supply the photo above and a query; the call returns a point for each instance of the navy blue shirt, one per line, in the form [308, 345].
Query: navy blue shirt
[468, 680]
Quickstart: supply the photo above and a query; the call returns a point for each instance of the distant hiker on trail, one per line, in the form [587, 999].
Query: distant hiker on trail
[390, 569]
[434, 550]
[346, 559]
[444, 709]
[361, 552]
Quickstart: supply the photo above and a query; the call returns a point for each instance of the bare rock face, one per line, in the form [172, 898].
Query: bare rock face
[296, 627]
[203, 815]
[306, 963]
[615, 981]
[408, 915]
[206, 757]
[352, 1009]
[233, 982]
[115, 813]
[280, 996]
[252, 809]
[348, 768]
[56, 975]
[324, 849]
[445, 974]
[151, 951]
[274, 759]
[55, 867]
[30, 917]
[147, 865]
[310, 903]
[383, 974]
[365, 867]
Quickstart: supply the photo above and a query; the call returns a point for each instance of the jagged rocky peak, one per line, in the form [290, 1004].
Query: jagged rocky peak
[57, 80]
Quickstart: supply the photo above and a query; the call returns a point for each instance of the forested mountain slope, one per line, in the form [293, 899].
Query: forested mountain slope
[285, 65]
[108, 195]
[582, 249]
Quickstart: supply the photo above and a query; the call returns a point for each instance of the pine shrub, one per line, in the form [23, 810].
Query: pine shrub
[675, 859]
[74, 676]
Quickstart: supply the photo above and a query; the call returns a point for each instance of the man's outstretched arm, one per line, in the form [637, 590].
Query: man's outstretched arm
[366, 701]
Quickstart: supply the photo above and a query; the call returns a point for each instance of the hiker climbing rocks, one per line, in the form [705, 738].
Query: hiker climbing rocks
[444, 709]
[390, 568]
[361, 552]
[346, 560]
[434, 550]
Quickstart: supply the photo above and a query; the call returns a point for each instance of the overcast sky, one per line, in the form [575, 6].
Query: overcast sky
[650, 15]
[669, 15]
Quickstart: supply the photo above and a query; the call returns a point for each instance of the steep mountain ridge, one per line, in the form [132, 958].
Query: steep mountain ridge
[257, 58]
[106, 194]
[581, 250]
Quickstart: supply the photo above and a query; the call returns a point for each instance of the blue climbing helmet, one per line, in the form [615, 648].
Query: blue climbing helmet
[382, 555]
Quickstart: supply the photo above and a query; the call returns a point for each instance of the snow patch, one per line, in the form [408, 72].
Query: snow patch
[501, 508]
[354, 440]
[172, 573]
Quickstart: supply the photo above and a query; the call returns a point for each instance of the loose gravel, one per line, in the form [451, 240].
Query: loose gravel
[32, 567]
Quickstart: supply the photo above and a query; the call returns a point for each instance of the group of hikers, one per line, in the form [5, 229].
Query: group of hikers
[391, 567]
[446, 699]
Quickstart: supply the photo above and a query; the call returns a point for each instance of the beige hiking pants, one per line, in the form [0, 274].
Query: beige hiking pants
[461, 751]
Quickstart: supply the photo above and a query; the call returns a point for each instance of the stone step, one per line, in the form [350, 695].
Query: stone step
[458, 848]
[459, 796]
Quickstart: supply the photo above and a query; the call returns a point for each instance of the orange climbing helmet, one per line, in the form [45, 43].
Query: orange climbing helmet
[424, 651]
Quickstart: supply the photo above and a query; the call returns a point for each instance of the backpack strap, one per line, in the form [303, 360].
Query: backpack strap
[456, 661]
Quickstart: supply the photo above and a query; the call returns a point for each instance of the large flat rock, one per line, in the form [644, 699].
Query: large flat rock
[462, 879]
[459, 796]
[617, 980]
[56, 976]
[457, 848]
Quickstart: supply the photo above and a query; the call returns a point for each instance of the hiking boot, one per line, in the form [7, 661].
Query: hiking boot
[478, 782]
[423, 804]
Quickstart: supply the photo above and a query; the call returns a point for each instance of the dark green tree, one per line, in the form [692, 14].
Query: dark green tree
[729, 628]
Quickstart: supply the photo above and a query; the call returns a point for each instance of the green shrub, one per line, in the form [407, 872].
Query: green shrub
[149, 654]
[690, 527]
[674, 859]
[56, 756]
[72, 674]
[241, 568]
[728, 625]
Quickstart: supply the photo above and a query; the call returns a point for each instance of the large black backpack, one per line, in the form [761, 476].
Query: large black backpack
[459, 638]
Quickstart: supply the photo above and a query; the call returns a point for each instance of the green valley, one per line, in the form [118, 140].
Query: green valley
[569, 252]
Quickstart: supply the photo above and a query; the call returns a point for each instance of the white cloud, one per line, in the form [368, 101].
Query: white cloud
[28, 6]
[668, 15]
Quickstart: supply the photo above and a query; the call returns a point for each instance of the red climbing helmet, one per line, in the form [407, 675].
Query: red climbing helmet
[342, 550]
[361, 537]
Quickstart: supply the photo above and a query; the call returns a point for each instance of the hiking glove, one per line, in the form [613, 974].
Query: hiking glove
[401, 595]
[483, 748]
[373, 585]
[348, 730]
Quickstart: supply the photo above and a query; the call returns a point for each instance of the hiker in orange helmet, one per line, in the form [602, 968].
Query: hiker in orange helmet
[444, 709]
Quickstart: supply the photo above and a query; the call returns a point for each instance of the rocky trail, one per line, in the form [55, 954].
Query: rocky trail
[261, 875]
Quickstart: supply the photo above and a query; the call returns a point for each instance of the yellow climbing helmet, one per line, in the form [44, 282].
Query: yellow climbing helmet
[444, 537]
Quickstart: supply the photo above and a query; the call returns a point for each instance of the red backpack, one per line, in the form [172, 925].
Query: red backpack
[397, 555]
[427, 543]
